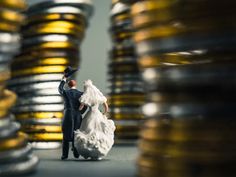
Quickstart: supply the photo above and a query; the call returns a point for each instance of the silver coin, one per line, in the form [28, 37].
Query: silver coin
[37, 92]
[189, 110]
[119, 8]
[5, 57]
[128, 83]
[10, 130]
[122, 25]
[35, 86]
[9, 38]
[193, 77]
[4, 122]
[39, 100]
[46, 145]
[85, 5]
[118, 90]
[42, 92]
[38, 108]
[66, 9]
[178, 44]
[20, 168]
[48, 38]
[125, 110]
[9, 43]
[15, 155]
[4, 68]
[35, 78]
[34, 121]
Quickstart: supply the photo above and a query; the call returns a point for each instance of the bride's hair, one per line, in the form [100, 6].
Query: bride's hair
[92, 95]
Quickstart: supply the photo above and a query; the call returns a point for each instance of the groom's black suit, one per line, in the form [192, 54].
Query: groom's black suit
[72, 116]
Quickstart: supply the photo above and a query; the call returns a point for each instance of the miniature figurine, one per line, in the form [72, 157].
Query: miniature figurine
[95, 137]
[72, 115]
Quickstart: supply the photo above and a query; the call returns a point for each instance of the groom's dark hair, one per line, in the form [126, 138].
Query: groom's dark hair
[72, 83]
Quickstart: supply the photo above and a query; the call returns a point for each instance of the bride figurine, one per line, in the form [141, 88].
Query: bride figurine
[95, 137]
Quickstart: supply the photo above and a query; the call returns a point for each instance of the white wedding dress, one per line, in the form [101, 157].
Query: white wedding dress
[95, 137]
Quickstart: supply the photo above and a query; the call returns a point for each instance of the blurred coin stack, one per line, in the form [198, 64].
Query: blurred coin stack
[15, 154]
[186, 51]
[125, 85]
[51, 40]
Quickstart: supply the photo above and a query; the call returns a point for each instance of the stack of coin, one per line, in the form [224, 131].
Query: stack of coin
[15, 154]
[125, 85]
[186, 52]
[52, 35]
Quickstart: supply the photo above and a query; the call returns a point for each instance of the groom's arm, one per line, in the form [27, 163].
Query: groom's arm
[61, 89]
[83, 109]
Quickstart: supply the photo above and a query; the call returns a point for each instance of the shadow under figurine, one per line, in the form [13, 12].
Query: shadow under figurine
[72, 115]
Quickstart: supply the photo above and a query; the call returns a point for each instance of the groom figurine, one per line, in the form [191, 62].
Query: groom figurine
[72, 115]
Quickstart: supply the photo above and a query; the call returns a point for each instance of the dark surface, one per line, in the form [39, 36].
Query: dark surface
[120, 162]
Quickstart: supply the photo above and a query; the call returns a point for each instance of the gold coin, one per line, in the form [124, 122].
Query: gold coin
[2, 88]
[45, 136]
[121, 17]
[176, 14]
[14, 143]
[145, 6]
[8, 100]
[41, 62]
[4, 26]
[202, 26]
[122, 52]
[122, 35]
[200, 152]
[39, 70]
[182, 135]
[144, 19]
[3, 113]
[183, 58]
[159, 32]
[53, 45]
[41, 129]
[120, 116]
[191, 171]
[126, 102]
[190, 124]
[47, 53]
[127, 97]
[59, 27]
[11, 16]
[58, 30]
[126, 135]
[165, 59]
[78, 19]
[15, 4]
[117, 100]
[170, 166]
[127, 128]
[39, 115]
[5, 75]
[161, 163]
